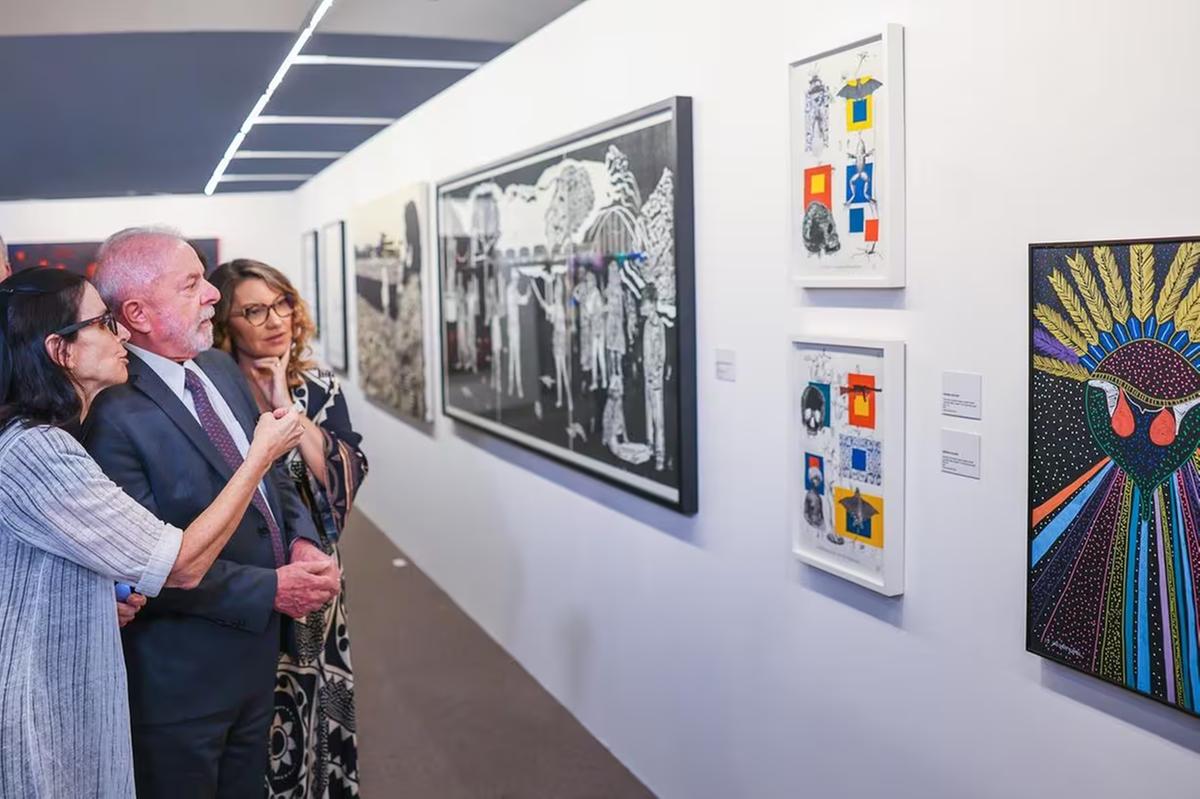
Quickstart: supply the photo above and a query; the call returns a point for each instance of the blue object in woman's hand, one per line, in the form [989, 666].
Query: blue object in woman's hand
[123, 591]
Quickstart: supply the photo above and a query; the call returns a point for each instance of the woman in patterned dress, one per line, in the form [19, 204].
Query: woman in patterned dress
[262, 321]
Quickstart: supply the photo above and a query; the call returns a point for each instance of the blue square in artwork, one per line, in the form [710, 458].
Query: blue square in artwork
[857, 218]
[859, 110]
[859, 189]
[858, 459]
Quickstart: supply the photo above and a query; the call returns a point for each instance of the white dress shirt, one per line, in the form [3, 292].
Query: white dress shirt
[172, 373]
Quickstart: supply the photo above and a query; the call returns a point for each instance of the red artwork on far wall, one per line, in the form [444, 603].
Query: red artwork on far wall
[80, 256]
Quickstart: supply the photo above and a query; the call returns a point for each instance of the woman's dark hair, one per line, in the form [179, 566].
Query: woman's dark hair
[33, 388]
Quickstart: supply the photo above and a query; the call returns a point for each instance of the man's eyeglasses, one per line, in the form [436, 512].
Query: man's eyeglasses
[107, 319]
[257, 314]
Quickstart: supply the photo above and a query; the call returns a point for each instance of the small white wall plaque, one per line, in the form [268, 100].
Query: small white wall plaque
[960, 453]
[962, 395]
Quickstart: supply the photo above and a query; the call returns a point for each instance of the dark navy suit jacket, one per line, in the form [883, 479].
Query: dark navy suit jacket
[193, 653]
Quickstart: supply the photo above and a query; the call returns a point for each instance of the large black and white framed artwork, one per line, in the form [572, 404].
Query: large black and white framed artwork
[335, 326]
[567, 292]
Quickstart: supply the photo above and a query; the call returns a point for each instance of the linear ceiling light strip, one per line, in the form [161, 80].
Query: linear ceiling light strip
[310, 25]
[312, 154]
[272, 176]
[401, 63]
[267, 119]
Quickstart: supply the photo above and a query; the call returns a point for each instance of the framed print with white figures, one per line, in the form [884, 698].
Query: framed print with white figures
[847, 459]
[390, 254]
[847, 157]
[310, 276]
[567, 301]
[335, 327]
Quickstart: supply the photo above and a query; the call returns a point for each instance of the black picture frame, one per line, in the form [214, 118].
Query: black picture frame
[1048, 652]
[676, 113]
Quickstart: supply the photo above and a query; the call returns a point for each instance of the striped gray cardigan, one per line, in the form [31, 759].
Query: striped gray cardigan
[67, 533]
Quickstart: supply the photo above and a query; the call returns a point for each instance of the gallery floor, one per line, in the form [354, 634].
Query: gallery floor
[443, 711]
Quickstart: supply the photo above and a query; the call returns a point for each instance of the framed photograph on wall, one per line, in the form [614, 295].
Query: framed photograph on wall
[1114, 482]
[568, 309]
[390, 254]
[310, 276]
[847, 164]
[335, 327]
[847, 458]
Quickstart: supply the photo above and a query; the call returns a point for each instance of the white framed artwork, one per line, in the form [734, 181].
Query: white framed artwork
[847, 164]
[846, 474]
[334, 326]
[310, 277]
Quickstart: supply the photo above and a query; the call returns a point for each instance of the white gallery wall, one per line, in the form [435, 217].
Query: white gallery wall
[697, 649]
[252, 225]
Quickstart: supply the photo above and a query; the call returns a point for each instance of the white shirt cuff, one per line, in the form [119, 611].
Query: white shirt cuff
[162, 560]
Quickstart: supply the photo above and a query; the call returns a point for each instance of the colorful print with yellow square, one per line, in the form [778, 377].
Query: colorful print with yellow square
[840, 158]
[846, 518]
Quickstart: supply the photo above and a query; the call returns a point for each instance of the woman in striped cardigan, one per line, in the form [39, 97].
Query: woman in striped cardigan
[67, 533]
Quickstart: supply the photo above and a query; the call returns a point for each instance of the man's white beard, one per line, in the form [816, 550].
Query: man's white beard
[203, 339]
[196, 340]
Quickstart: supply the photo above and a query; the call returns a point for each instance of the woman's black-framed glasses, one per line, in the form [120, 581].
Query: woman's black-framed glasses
[107, 319]
[257, 314]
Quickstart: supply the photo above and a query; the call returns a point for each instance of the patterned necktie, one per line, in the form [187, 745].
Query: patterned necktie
[219, 435]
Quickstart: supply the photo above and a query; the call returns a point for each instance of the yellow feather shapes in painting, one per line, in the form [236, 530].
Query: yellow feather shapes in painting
[1053, 366]
[1141, 277]
[1085, 279]
[1114, 286]
[1177, 279]
[1060, 328]
[1073, 306]
[1187, 316]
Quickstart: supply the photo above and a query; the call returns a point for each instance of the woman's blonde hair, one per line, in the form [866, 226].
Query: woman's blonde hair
[228, 276]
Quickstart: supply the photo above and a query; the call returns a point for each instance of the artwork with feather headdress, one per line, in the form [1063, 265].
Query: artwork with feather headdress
[1114, 481]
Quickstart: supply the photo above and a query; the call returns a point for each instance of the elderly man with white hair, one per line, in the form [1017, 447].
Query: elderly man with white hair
[201, 663]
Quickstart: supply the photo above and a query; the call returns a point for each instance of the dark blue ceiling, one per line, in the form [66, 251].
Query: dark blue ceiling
[148, 113]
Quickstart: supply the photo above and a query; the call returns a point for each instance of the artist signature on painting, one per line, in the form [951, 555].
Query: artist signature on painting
[1065, 649]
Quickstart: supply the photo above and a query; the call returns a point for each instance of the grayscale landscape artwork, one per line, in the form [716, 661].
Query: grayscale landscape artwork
[567, 302]
[388, 261]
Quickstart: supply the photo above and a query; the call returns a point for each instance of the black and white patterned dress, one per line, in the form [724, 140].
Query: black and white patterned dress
[314, 743]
